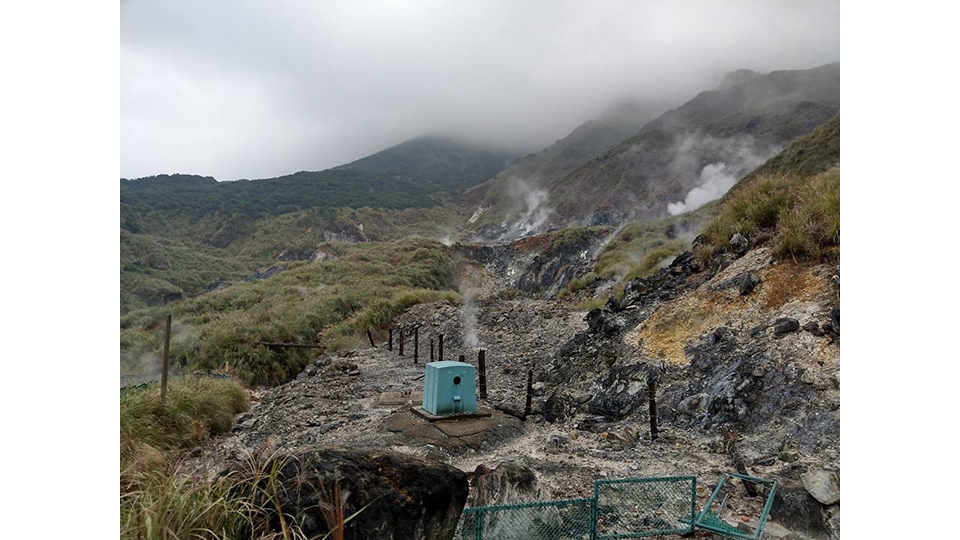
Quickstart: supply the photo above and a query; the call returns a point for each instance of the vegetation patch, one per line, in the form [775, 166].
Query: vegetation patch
[804, 212]
[332, 303]
[159, 500]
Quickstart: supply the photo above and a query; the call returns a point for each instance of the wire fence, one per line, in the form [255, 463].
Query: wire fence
[639, 507]
[553, 520]
[627, 508]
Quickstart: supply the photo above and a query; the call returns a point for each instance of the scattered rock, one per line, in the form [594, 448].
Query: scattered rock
[785, 325]
[613, 305]
[621, 391]
[808, 377]
[748, 282]
[739, 244]
[600, 321]
[555, 409]
[813, 328]
[835, 319]
[538, 388]
[697, 403]
[340, 366]
[556, 441]
[593, 424]
[824, 485]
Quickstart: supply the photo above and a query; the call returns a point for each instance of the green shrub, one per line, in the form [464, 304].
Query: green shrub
[577, 284]
[811, 226]
[195, 409]
[804, 212]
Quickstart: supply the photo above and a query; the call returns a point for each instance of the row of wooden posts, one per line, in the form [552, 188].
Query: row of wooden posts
[481, 361]
[652, 376]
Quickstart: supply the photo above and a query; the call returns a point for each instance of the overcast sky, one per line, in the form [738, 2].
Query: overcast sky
[242, 89]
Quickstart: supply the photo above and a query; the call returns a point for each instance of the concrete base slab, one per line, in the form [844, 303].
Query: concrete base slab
[482, 412]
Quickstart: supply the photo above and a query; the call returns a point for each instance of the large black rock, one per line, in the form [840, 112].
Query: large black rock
[409, 498]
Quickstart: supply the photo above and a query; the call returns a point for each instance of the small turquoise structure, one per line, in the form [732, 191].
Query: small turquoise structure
[449, 388]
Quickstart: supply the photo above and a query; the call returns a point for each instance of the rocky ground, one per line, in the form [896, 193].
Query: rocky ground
[745, 354]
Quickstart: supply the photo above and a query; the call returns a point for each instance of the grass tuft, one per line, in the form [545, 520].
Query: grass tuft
[804, 211]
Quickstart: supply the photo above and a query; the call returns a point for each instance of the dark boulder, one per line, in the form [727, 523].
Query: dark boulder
[748, 282]
[509, 482]
[402, 497]
[835, 319]
[601, 321]
[813, 328]
[555, 408]
[612, 304]
[621, 391]
[739, 244]
[785, 325]
[595, 319]
[794, 508]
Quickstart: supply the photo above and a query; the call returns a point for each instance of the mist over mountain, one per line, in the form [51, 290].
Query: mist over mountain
[685, 157]
[220, 89]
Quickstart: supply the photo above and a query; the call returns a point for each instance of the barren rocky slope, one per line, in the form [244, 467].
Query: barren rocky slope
[746, 350]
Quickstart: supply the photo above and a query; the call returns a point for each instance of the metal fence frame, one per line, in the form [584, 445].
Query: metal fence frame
[598, 486]
[476, 529]
[480, 512]
[710, 521]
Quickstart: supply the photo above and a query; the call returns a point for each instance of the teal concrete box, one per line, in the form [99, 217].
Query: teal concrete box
[449, 388]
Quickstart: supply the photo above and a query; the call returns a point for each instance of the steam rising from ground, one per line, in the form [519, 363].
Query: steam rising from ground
[470, 338]
[731, 159]
[534, 211]
[144, 366]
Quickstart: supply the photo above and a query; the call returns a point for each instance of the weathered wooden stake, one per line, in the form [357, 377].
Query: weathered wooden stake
[463, 358]
[440, 349]
[529, 408]
[416, 343]
[431, 349]
[370, 337]
[731, 438]
[401, 340]
[390, 339]
[652, 377]
[166, 363]
[482, 365]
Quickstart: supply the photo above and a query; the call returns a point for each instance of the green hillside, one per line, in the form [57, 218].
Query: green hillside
[182, 234]
[360, 286]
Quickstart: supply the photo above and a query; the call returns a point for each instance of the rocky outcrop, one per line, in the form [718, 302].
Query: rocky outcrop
[508, 482]
[399, 497]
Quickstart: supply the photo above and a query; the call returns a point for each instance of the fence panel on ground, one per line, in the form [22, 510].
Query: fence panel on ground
[553, 520]
[639, 507]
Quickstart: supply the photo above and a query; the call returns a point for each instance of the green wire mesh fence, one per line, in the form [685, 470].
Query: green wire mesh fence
[639, 507]
[627, 508]
[554, 520]
[712, 516]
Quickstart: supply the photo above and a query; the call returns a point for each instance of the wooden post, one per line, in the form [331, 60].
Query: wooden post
[401, 340]
[370, 337]
[440, 349]
[529, 408]
[390, 339]
[463, 358]
[416, 343]
[731, 437]
[431, 349]
[166, 363]
[652, 377]
[482, 365]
